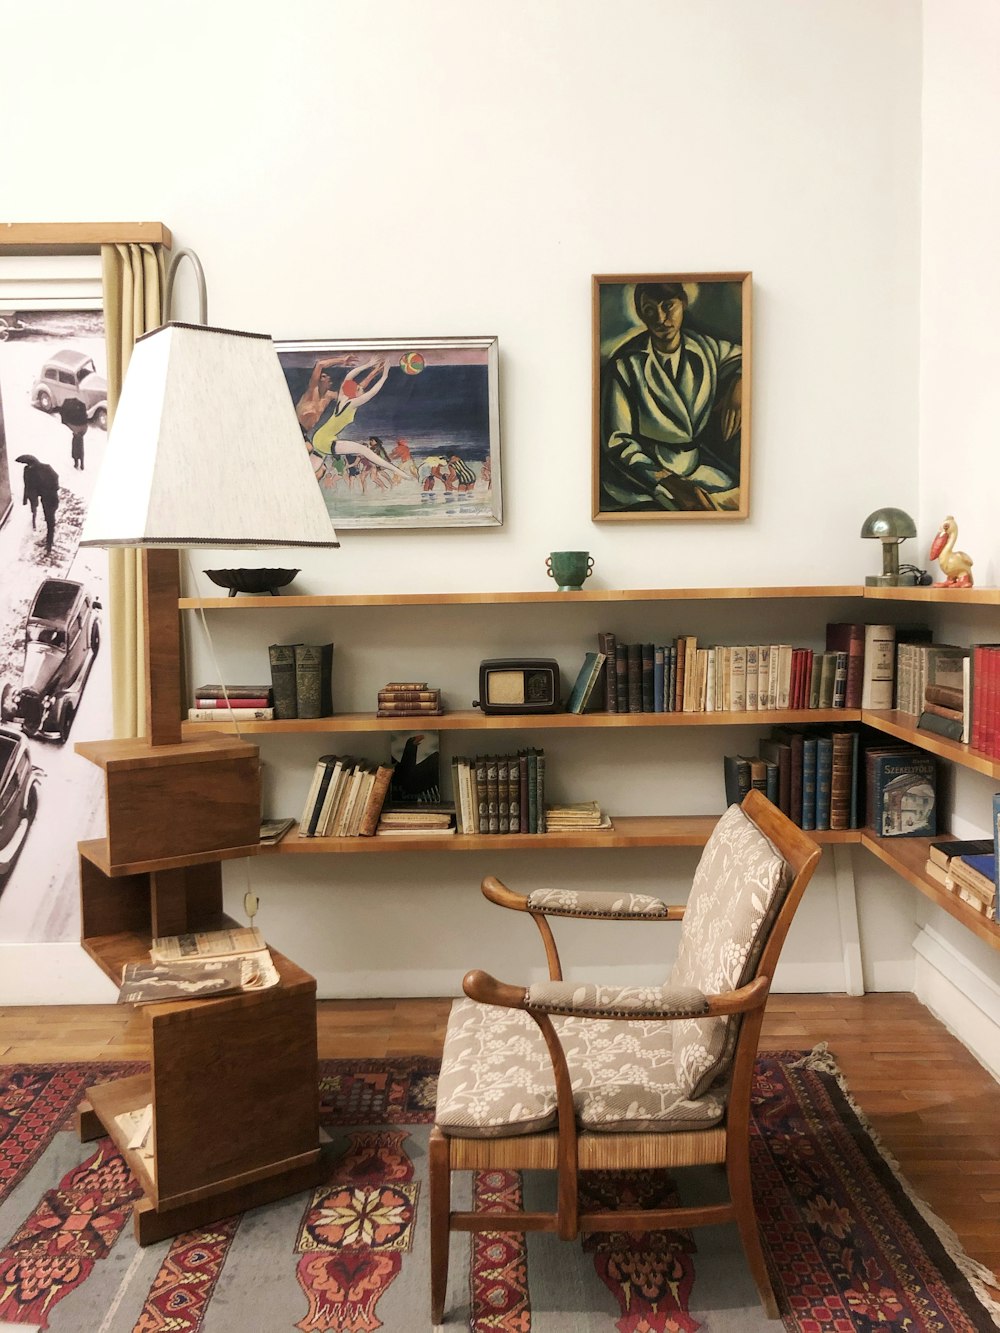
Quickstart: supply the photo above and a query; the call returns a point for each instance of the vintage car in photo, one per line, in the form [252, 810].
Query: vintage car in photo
[19, 788]
[69, 374]
[61, 637]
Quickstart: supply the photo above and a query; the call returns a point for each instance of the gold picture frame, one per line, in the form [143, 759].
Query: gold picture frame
[671, 396]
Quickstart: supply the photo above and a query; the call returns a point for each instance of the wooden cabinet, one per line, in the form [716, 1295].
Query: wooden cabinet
[233, 1081]
[905, 855]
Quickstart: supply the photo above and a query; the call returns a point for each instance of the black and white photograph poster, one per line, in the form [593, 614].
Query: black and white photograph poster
[55, 680]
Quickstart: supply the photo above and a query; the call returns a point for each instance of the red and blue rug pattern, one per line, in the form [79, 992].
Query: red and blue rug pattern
[850, 1250]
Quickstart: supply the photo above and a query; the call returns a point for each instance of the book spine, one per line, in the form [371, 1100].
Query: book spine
[522, 772]
[634, 676]
[753, 666]
[282, 661]
[659, 662]
[670, 683]
[738, 677]
[482, 793]
[840, 680]
[840, 782]
[376, 799]
[606, 645]
[234, 701]
[646, 664]
[514, 789]
[425, 706]
[227, 715]
[532, 790]
[824, 780]
[409, 696]
[763, 676]
[540, 784]
[503, 793]
[736, 773]
[492, 794]
[808, 816]
[313, 677]
[621, 677]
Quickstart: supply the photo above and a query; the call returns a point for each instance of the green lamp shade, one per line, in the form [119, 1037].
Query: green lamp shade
[889, 525]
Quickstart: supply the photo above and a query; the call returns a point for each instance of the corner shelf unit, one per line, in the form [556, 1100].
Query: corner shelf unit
[906, 856]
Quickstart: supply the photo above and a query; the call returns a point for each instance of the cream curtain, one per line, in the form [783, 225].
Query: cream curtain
[133, 302]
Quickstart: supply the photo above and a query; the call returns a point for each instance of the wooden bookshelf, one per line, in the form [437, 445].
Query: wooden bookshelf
[474, 720]
[907, 857]
[628, 831]
[901, 725]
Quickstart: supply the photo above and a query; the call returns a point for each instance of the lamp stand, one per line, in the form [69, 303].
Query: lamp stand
[161, 587]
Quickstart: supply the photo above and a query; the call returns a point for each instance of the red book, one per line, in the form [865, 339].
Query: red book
[850, 639]
[203, 701]
[798, 662]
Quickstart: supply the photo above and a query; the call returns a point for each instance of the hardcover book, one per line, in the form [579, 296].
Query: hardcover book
[878, 675]
[313, 679]
[585, 688]
[736, 772]
[904, 794]
[849, 638]
[606, 645]
[282, 660]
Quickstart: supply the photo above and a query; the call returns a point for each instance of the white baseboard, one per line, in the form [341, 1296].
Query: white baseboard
[960, 995]
[51, 974]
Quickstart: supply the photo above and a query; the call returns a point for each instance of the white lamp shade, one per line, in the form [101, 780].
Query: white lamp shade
[206, 450]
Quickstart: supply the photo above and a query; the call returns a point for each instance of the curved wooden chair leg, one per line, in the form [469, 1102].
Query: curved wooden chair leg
[746, 1220]
[440, 1209]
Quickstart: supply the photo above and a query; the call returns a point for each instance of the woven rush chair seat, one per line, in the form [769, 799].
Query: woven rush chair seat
[573, 1076]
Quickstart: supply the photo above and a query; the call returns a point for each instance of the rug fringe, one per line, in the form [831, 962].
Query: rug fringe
[821, 1060]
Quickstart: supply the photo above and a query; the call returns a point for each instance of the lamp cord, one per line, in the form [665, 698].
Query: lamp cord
[250, 900]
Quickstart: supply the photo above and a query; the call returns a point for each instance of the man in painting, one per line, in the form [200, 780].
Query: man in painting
[670, 412]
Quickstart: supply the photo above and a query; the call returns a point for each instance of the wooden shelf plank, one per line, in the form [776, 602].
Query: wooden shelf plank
[628, 831]
[210, 744]
[907, 856]
[901, 725]
[474, 720]
[80, 236]
[960, 596]
[605, 595]
[111, 1099]
[96, 851]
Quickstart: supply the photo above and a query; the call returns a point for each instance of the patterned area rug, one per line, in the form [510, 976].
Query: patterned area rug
[851, 1247]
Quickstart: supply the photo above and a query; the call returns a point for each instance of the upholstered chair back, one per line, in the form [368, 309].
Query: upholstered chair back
[738, 890]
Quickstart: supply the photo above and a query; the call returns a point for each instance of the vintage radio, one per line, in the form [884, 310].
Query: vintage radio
[519, 685]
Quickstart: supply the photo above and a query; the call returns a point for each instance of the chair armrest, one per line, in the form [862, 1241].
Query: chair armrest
[586, 1000]
[602, 905]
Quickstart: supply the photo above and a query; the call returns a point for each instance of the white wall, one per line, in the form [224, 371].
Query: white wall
[456, 168]
[957, 975]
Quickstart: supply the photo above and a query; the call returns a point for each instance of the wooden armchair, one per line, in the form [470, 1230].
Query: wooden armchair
[572, 1077]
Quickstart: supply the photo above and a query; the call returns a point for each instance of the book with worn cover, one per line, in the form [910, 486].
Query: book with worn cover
[233, 714]
[879, 670]
[807, 817]
[314, 679]
[736, 772]
[606, 645]
[492, 793]
[824, 780]
[376, 799]
[586, 685]
[282, 660]
[633, 658]
[849, 638]
[273, 830]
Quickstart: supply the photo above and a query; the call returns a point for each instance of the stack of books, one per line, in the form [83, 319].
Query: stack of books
[569, 818]
[940, 854]
[301, 679]
[218, 703]
[345, 798]
[973, 878]
[416, 821]
[500, 793]
[273, 830]
[401, 698]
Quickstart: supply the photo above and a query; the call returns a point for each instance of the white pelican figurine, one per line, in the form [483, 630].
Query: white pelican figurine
[955, 565]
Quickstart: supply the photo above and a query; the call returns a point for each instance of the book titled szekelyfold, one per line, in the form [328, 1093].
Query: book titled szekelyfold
[904, 794]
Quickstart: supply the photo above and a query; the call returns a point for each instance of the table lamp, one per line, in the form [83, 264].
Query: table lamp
[205, 450]
[890, 527]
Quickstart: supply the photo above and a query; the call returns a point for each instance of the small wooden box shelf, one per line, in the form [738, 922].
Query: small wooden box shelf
[233, 1082]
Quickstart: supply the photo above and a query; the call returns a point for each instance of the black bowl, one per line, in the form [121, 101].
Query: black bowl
[251, 580]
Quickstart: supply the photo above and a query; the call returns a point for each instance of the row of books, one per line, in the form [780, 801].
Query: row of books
[825, 780]
[953, 691]
[500, 793]
[402, 698]
[345, 798]
[685, 677]
[301, 679]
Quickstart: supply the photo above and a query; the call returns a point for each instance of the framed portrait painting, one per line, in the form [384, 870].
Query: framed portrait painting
[401, 433]
[671, 384]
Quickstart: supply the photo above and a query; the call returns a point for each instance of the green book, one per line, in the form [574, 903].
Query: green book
[586, 683]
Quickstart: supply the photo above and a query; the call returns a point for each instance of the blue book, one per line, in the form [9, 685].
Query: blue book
[809, 782]
[904, 794]
[996, 847]
[658, 663]
[824, 780]
[771, 780]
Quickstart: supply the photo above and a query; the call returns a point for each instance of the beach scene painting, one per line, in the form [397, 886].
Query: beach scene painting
[400, 433]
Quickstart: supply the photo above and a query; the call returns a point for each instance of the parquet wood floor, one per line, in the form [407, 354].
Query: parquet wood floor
[934, 1106]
